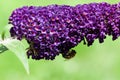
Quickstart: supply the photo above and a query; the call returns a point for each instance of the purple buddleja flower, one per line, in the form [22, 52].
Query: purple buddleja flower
[92, 21]
[114, 21]
[55, 29]
[48, 30]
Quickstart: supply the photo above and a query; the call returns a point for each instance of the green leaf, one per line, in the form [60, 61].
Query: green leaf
[18, 49]
[2, 49]
[5, 32]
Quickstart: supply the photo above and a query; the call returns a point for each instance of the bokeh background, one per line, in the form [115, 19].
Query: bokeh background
[98, 62]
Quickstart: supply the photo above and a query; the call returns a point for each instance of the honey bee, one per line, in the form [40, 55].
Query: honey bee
[69, 55]
[32, 50]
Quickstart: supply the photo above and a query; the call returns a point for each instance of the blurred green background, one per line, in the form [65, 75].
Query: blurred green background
[98, 62]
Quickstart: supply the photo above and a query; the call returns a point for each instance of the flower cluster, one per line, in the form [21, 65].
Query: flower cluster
[55, 29]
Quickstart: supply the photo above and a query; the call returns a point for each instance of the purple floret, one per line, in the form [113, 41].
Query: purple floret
[56, 29]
